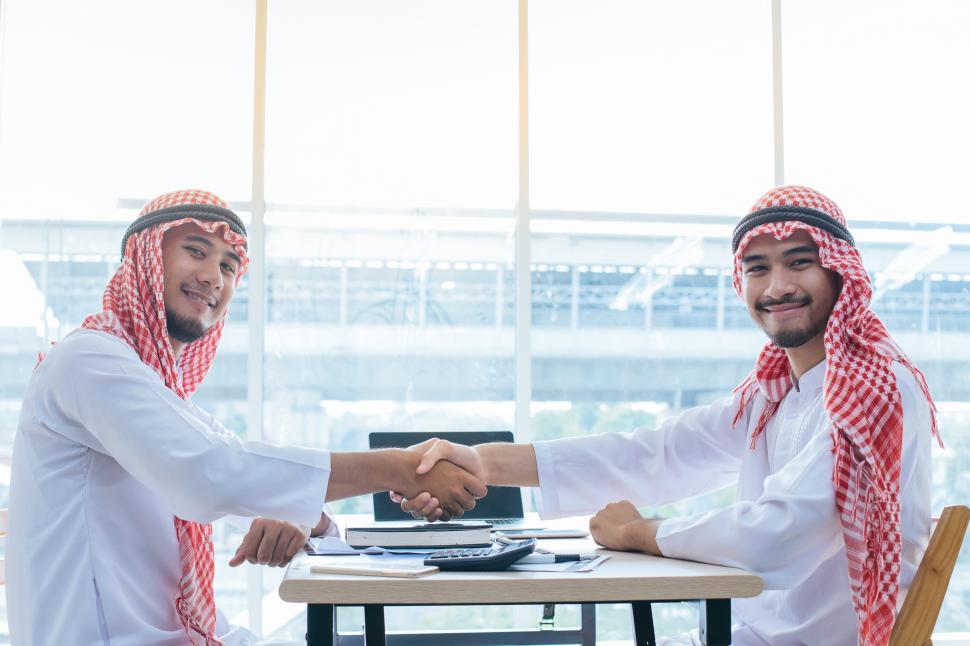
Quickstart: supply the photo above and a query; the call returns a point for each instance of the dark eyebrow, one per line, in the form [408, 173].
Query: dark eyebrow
[200, 240]
[208, 243]
[805, 248]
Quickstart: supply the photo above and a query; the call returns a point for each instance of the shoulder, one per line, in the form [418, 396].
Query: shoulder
[906, 383]
[82, 351]
[916, 406]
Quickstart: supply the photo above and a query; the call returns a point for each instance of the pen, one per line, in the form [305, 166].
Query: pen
[553, 558]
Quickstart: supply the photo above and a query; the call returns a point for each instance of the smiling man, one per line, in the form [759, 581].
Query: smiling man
[117, 475]
[827, 442]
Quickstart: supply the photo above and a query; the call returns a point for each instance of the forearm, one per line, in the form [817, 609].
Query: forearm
[357, 473]
[510, 464]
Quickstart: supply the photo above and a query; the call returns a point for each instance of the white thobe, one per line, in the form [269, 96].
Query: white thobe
[103, 457]
[783, 525]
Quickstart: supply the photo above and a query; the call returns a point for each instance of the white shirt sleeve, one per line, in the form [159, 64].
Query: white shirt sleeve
[120, 407]
[694, 453]
[333, 529]
[244, 523]
[793, 527]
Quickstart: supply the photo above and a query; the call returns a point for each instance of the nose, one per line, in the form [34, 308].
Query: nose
[780, 284]
[210, 273]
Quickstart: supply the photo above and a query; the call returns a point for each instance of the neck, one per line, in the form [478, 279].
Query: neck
[806, 356]
[177, 347]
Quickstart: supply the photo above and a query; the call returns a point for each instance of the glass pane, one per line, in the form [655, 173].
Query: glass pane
[661, 107]
[145, 98]
[390, 176]
[400, 105]
[876, 103]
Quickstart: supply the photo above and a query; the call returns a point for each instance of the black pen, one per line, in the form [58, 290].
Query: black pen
[553, 558]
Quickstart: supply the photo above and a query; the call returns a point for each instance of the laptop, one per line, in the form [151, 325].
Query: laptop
[502, 507]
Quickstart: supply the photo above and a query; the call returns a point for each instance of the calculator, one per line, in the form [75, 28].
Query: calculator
[496, 557]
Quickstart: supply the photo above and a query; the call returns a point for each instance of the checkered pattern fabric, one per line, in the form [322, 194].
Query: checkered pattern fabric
[863, 404]
[134, 310]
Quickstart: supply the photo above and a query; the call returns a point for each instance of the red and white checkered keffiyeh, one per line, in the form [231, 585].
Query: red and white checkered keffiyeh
[134, 310]
[863, 405]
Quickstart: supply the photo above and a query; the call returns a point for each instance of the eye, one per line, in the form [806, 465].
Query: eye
[755, 269]
[229, 268]
[802, 262]
[195, 251]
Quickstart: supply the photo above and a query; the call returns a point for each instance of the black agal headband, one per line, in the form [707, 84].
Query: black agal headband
[206, 212]
[817, 219]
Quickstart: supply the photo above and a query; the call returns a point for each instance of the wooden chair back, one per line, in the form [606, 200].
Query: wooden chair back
[917, 618]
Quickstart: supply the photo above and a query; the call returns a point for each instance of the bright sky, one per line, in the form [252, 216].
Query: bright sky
[635, 106]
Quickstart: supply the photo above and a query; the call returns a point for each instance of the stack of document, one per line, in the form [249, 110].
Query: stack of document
[425, 535]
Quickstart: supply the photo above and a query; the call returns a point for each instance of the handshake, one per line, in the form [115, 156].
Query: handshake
[446, 482]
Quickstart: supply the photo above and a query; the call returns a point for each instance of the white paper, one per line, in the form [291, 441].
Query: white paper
[587, 564]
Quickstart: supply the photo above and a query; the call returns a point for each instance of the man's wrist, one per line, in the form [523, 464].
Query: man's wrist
[483, 457]
[641, 535]
[400, 471]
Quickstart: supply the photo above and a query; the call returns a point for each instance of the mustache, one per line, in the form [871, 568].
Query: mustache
[787, 300]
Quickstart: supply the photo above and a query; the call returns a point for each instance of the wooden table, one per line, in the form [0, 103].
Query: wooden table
[625, 578]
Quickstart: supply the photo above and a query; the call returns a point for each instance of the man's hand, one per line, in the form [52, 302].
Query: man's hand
[270, 542]
[619, 526]
[464, 456]
[454, 488]
[433, 451]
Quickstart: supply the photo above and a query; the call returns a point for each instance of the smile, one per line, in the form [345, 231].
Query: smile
[786, 311]
[199, 298]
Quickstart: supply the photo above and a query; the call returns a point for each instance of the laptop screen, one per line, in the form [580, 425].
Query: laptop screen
[501, 502]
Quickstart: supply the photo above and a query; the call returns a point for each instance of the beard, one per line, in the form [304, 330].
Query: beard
[797, 337]
[182, 328]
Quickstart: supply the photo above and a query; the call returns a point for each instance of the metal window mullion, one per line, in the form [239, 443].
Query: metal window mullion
[778, 133]
[523, 276]
[257, 286]
[499, 295]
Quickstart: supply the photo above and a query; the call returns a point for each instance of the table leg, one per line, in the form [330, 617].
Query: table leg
[643, 624]
[374, 626]
[319, 624]
[715, 618]
[587, 624]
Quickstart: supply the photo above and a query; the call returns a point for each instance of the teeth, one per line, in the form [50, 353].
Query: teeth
[198, 298]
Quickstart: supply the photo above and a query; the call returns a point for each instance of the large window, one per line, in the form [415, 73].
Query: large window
[389, 189]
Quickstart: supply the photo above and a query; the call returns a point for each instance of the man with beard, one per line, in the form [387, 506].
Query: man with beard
[827, 440]
[117, 475]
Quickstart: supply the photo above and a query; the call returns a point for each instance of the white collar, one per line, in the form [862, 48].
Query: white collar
[811, 382]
